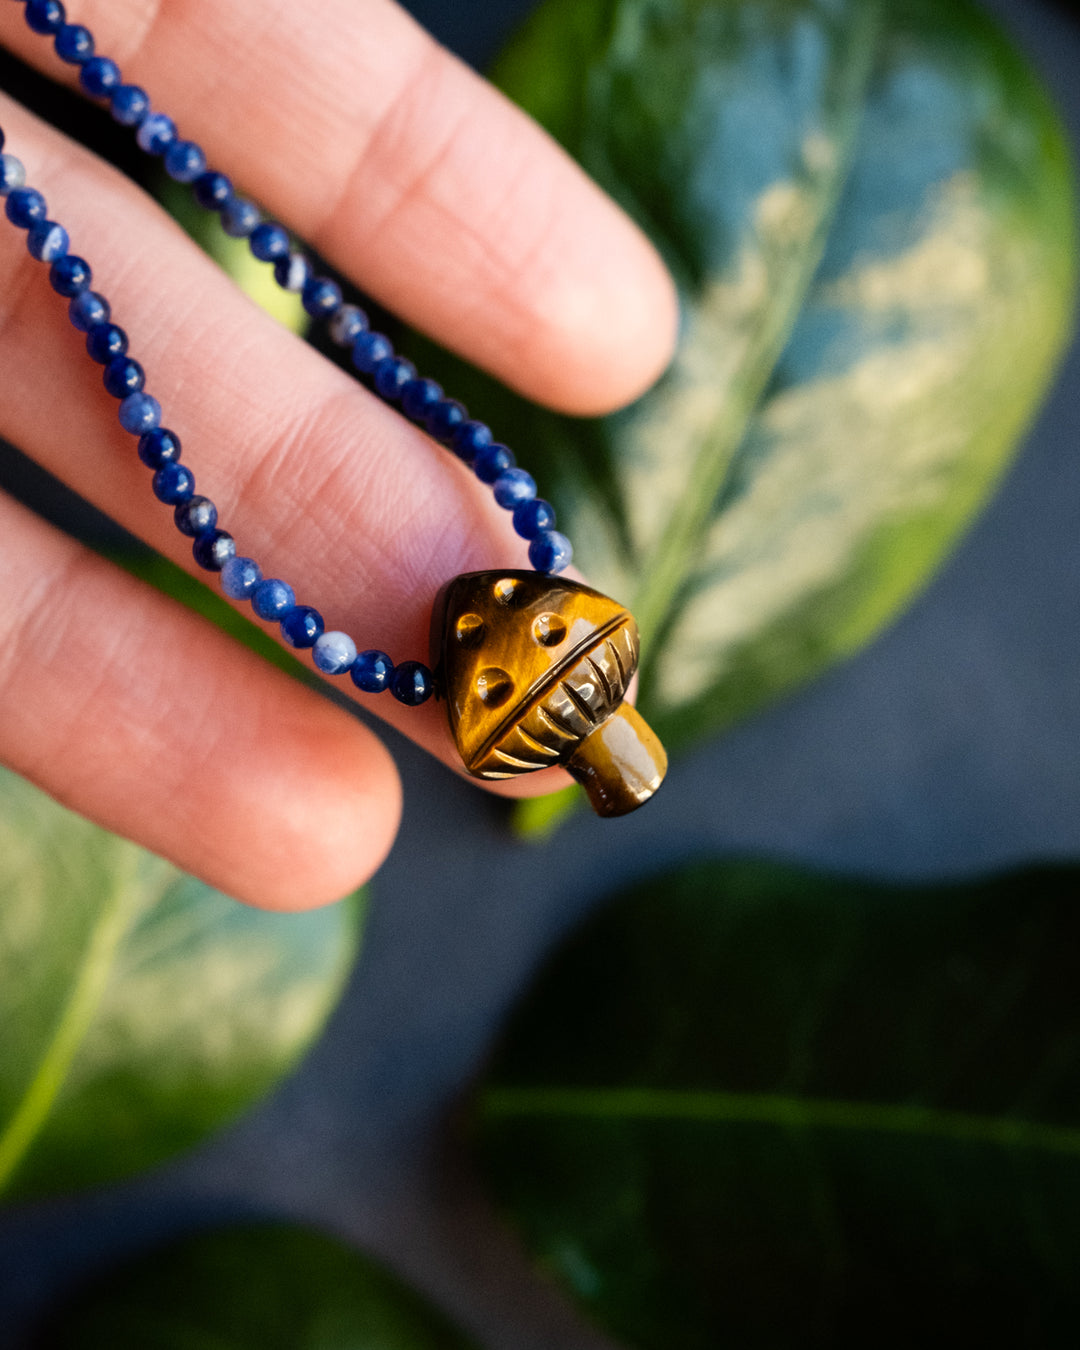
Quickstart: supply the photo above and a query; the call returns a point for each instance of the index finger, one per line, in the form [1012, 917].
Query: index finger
[410, 174]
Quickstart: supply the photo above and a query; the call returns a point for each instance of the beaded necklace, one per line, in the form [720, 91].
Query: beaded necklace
[534, 669]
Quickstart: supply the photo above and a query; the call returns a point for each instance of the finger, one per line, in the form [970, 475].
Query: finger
[321, 483]
[409, 173]
[137, 713]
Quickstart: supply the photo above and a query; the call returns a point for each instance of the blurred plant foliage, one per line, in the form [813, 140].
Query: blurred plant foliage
[746, 1106]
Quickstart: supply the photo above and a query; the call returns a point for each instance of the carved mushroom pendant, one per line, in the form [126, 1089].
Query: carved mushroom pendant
[534, 670]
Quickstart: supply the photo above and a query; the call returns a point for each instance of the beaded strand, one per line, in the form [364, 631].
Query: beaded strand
[393, 378]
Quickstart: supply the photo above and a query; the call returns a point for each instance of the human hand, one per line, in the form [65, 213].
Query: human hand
[409, 174]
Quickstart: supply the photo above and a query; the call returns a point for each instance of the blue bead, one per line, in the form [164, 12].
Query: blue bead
[140, 412]
[369, 349]
[272, 599]
[533, 516]
[269, 241]
[184, 161]
[195, 516]
[372, 671]
[213, 191]
[514, 487]
[239, 217]
[302, 626]
[334, 653]
[47, 241]
[25, 205]
[69, 276]
[87, 309]
[239, 577]
[550, 551]
[419, 397]
[99, 76]
[160, 447]
[129, 105]
[123, 376]
[411, 683]
[213, 549]
[491, 461]
[347, 325]
[392, 375]
[469, 439]
[12, 174]
[173, 483]
[44, 16]
[74, 43]
[444, 418]
[293, 272]
[156, 133]
[321, 297]
[104, 341]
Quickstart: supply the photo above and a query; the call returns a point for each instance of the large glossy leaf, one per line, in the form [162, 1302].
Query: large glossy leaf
[139, 1009]
[749, 1107]
[266, 1288]
[867, 208]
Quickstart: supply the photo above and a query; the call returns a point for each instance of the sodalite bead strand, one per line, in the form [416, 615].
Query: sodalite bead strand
[392, 377]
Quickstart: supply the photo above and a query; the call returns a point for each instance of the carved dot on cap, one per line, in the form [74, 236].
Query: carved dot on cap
[506, 589]
[548, 630]
[469, 630]
[494, 686]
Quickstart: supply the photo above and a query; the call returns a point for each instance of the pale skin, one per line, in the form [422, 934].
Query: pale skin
[411, 175]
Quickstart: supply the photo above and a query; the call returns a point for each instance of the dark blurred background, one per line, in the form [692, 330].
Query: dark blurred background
[951, 747]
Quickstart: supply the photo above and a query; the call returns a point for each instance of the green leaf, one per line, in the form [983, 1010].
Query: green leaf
[139, 1010]
[868, 211]
[259, 1288]
[746, 1106]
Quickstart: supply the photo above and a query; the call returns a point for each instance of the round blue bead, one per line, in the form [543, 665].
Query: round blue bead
[369, 349]
[469, 439]
[269, 241]
[411, 683]
[105, 341]
[372, 671]
[74, 43]
[47, 241]
[292, 272]
[87, 309]
[129, 105]
[533, 516]
[321, 297]
[213, 191]
[550, 551]
[491, 461]
[419, 397]
[123, 376]
[25, 205]
[213, 549]
[44, 16]
[140, 412]
[156, 133]
[302, 626]
[347, 324]
[513, 487]
[184, 161]
[173, 483]
[334, 653]
[195, 516]
[444, 418]
[99, 76]
[69, 276]
[239, 217]
[12, 174]
[392, 375]
[239, 577]
[160, 447]
[272, 599]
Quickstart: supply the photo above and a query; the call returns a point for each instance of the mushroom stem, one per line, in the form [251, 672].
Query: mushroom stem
[620, 764]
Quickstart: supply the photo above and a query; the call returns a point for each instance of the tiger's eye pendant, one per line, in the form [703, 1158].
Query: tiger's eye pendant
[534, 670]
